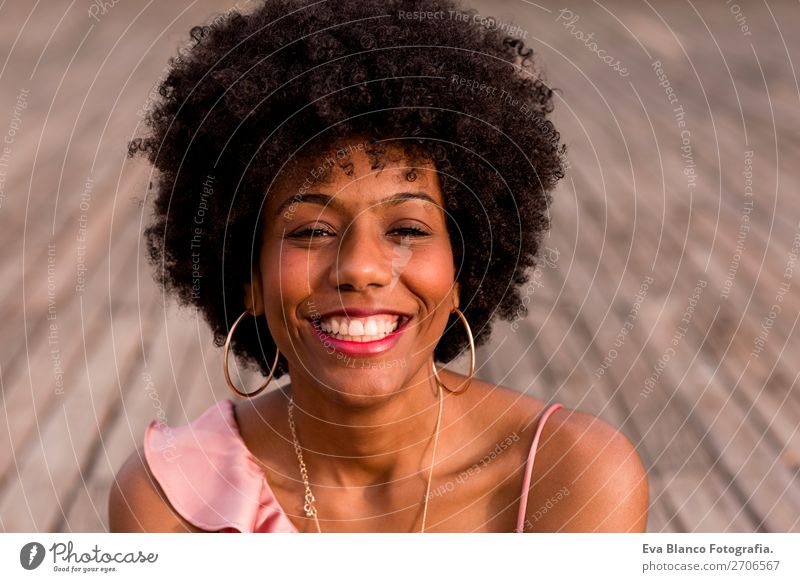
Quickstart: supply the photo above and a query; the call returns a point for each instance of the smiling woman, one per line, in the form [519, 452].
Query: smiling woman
[366, 272]
[363, 217]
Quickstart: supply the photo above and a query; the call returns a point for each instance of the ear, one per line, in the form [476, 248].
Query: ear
[456, 294]
[253, 296]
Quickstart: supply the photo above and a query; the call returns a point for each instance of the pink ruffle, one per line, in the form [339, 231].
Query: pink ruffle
[210, 477]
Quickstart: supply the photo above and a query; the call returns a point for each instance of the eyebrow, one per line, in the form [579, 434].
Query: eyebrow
[329, 201]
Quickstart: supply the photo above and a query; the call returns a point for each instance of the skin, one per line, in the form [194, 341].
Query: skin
[367, 433]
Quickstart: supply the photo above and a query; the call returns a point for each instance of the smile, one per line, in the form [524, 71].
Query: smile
[362, 329]
[360, 336]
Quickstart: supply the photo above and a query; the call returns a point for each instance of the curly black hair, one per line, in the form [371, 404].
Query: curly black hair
[292, 77]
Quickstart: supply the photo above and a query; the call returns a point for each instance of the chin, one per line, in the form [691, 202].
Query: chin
[358, 373]
[361, 383]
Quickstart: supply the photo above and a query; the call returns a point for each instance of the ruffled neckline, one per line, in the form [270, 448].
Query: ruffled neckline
[210, 477]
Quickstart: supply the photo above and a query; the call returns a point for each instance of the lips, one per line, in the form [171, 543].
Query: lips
[360, 332]
[361, 329]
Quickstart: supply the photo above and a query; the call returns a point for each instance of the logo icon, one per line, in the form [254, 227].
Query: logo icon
[31, 555]
[401, 257]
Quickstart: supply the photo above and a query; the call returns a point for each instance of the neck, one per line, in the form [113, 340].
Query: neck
[348, 445]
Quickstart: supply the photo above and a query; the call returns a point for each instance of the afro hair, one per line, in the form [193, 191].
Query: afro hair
[290, 77]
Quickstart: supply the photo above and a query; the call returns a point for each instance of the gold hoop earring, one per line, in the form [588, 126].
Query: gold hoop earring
[233, 389]
[471, 358]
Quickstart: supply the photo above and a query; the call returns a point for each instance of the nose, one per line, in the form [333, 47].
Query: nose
[362, 259]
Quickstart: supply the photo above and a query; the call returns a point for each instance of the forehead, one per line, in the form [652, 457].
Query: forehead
[353, 170]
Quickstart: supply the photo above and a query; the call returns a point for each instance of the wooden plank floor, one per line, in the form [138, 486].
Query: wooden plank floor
[652, 311]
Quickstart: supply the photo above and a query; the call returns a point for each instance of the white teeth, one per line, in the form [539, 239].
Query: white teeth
[360, 330]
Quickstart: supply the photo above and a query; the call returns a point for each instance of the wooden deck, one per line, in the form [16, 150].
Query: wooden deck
[693, 367]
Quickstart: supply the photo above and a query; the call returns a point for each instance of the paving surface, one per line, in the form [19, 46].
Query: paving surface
[667, 305]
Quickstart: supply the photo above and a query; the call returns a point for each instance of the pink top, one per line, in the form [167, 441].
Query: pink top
[212, 480]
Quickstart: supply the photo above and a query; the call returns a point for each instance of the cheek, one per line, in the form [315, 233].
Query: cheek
[287, 278]
[430, 273]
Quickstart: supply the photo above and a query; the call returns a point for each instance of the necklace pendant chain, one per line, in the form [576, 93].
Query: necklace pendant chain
[311, 509]
[308, 506]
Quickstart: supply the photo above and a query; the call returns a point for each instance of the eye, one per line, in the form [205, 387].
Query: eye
[316, 231]
[412, 231]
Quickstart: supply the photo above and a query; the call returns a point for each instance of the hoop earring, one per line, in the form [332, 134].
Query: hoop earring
[457, 311]
[233, 389]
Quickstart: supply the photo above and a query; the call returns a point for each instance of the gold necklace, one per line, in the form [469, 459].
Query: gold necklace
[308, 505]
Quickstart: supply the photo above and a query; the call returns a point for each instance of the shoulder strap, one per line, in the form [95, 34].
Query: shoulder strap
[526, 484]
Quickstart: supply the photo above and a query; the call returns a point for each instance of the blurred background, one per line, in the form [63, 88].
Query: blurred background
[666, 301]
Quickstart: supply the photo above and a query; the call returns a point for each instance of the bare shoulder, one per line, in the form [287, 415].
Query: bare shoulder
[137, 503]
[588, 477]
[490, 403]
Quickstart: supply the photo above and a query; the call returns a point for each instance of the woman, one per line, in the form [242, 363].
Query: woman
[350, 192]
